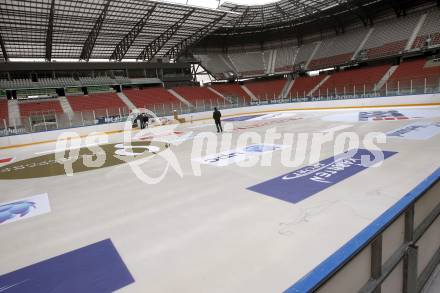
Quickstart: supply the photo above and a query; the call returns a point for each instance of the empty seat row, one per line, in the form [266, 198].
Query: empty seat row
[337, 50]
[430, 29]
[232, 90]
[95, 102]
[3, 110]
[266, 89]
[302, 86]
[415, 74]
[353, 81]
[390, 37]
[43, 82]
[216, 64]
[193, 94]
[285, 59]
[249, 63]
[148, 97]
[30, 108]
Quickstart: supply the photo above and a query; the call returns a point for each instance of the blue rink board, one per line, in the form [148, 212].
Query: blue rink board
[94, 268]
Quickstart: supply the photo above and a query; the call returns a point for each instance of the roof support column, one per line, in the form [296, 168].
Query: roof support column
[94, 33]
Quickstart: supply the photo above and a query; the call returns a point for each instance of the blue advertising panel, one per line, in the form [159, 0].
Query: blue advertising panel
[305, 182]
[94, 268]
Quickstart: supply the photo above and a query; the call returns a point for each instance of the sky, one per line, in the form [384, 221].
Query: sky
[214, 3]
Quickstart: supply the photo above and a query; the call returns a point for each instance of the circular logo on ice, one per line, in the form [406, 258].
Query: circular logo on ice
[69, 161]
[162, 133]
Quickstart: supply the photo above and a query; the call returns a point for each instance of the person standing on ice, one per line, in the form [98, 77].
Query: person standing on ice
[217, 115]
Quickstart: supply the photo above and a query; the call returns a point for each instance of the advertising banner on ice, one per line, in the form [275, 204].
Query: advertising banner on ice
[305, 182]
[417, 131]
[94, 268]
[24, 208]
[227, 158]
[383, 115]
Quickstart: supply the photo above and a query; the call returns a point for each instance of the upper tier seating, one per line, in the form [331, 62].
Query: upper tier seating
[412, 74]
[29, 108]
[231, 90]
[304, 53]
[337, 50]
[303, 85]
[390, 37]
[143, 98]
[249, 63]
[430, 28]
[266, 89]
[353, 80]
[3, 111]
[193, 94]
[285, 59]
[215, 64]
[45, 82]
[94, 102]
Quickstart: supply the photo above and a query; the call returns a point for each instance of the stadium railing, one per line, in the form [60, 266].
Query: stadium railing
[44, 122]
[397, 252]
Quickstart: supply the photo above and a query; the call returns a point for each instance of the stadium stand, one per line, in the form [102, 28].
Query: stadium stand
[303, 85]
[215, 64]
[249, 63]
[266, 89]
[95, 102]
[99, 80]
[353, 81]
[415, 74]
[231, 90]
[45, 82]
[35, 107]
[390, 37]
[193, 94]
[3, 110]
[337, 50]
[304, 53]
[150, 96]
[285, 59]
[429, 29]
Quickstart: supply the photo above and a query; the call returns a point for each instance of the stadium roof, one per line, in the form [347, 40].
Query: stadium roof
[102, 29]
[142, 29]
[273, 13]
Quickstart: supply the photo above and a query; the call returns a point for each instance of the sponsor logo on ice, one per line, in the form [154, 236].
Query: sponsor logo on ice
[305, 182]
[234, 156]
[417, 131]
[23, 209]
[381, 115]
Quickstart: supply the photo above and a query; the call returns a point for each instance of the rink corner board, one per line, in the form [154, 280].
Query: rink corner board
[329, 267]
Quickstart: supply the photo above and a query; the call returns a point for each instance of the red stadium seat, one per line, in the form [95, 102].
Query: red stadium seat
[233, 90]
[330, 61]
[387, 49]
[30, 108]
[303, 85]
[146, 98]
[193, 94]
[95, 101]
[266, 89]
[412, 75]
[353, 80]
[3, 111]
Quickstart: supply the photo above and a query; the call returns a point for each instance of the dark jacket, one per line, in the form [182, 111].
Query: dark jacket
[217, 115]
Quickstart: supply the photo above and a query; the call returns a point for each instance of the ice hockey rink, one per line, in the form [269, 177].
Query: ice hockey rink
[228, 228]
